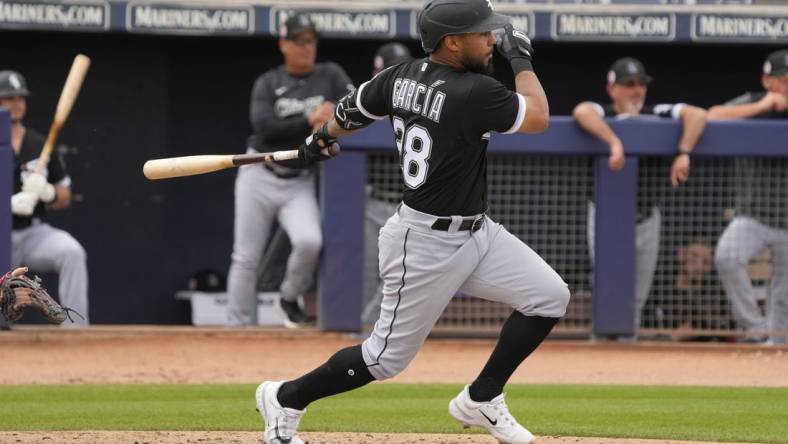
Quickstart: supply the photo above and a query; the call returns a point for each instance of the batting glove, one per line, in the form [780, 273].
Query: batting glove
[23, 203]
[318, 147]
[37, 184]
[516, 47]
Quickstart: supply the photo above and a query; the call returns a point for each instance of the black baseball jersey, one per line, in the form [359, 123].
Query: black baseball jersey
[650, 169]
[281, 104]
[760, 182]
[25, 162]
[442, 118]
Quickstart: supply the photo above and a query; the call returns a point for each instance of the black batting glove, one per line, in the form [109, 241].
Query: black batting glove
[310, 151]
[516, 47]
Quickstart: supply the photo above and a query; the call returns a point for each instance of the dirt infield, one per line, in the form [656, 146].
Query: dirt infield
[215, 355]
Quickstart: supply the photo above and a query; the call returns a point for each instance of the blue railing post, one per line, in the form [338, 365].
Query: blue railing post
[6, 184]
[340, 296]
[614, 249]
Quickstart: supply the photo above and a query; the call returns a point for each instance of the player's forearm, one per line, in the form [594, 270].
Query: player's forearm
[724, 112]
[694, 122]
[537, 111]
[63, 199]
[334, 130]
[590, 121]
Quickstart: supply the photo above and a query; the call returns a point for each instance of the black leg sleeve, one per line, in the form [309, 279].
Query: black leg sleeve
[344, 371]
[519, 337]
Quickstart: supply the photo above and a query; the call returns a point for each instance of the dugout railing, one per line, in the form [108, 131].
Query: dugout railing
[540, 187]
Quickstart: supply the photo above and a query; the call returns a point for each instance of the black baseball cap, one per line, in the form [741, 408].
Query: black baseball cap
[626, 69]
[776, 65]
[12, 84]
[295, 24]
[391, 54]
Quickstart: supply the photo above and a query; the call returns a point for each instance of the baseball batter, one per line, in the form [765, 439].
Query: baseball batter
[761, 211]
[288, 103]
[443, 109]
[34, 242]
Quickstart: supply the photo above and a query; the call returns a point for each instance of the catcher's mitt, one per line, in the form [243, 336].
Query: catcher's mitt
[18, 292]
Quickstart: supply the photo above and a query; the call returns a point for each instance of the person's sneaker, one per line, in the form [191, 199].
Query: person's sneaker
[281, 423]
[294, 315]
[492, 415]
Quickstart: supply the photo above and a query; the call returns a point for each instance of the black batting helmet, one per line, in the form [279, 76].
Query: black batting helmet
[439, 18]
[12, 84]
[390, 54]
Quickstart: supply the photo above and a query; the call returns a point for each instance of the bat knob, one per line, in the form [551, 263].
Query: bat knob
[333, 150]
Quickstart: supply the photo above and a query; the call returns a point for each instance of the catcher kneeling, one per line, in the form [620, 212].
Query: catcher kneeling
[18, 292]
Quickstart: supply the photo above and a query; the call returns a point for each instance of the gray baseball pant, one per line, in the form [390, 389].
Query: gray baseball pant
[741, 241]
[261, 196]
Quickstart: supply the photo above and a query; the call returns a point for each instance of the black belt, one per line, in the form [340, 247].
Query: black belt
[443, 223]
[283, 174]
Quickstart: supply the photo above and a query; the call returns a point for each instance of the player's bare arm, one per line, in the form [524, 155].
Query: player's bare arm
[587, 116]
[62, 199]
[772, 101]
[537, 114]
[693, 120]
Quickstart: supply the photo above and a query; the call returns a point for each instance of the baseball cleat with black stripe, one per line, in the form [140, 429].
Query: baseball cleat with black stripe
[492, 415]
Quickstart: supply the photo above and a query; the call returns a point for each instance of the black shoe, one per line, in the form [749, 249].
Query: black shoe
[4, 325]
[294, 316]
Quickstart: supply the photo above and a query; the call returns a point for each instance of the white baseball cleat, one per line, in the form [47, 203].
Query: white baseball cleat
[492, 415]
[281, 423]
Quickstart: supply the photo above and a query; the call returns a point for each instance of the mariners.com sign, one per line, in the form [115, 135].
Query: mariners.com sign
[332, 23]
[570, 26]
[179, 19]
[719, 27]
[36, 15]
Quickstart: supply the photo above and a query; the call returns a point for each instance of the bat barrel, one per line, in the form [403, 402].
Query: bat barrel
[185, 166]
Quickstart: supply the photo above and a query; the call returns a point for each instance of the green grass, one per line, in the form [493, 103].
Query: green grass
[687, 413]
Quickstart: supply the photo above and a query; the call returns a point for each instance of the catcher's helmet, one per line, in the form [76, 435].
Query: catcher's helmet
[12, 84]
[439, 18]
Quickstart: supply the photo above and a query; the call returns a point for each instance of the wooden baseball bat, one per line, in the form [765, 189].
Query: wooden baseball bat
[193, 165]
[67, 98]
